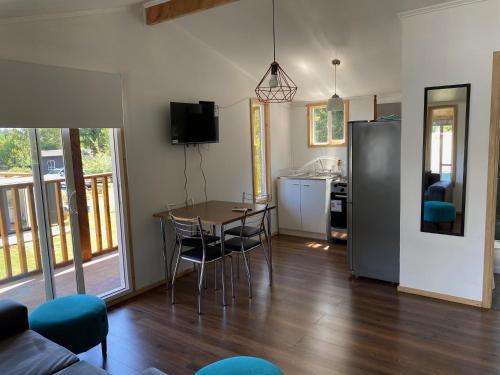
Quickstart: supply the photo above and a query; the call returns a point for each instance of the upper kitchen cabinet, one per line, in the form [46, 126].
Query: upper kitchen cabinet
[363, 108]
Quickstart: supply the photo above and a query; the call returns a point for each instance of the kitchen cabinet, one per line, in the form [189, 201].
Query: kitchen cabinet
[303, 207]
[289, 204]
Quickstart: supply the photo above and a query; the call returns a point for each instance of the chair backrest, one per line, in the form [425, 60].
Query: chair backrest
[250, 198]
[188, 228]
[187, 203]
[254, 220]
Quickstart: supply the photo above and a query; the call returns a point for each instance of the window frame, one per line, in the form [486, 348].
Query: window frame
[267, 144]
[310, 126]
[430, 117]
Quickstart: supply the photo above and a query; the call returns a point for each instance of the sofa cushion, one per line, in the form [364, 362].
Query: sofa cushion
[82, 368]
[32, 354]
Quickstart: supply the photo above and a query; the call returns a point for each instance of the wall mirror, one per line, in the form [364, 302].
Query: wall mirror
[446, 123]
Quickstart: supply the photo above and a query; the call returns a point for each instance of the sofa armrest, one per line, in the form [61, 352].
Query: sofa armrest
[13, 318]
[440, 191]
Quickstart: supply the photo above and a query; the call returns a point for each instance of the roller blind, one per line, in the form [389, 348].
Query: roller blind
[41, 96]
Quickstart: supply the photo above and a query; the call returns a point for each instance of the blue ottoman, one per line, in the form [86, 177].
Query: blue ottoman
[241, 366]
[77, 322]
[439, 212]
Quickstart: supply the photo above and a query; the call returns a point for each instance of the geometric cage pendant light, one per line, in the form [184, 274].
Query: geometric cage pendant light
[335, 103]
[276, 86]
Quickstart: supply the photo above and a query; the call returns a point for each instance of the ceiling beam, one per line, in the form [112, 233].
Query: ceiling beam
[169, 10]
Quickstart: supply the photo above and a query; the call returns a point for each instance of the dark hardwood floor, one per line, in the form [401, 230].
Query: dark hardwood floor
[315, 320]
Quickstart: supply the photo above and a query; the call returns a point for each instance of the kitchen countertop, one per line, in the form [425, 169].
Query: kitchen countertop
[312, 177]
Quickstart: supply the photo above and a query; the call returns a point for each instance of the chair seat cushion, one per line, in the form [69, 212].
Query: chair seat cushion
[197, 241]
[31, 353]
[241, 366]
[196, 254]
[235, 243]
[439, 212]
[77, 322]
[248, 231]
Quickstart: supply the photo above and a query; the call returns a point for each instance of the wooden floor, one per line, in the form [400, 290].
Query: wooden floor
[315, 320]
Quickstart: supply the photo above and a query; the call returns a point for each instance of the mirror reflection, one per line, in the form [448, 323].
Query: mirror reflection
[445, 159]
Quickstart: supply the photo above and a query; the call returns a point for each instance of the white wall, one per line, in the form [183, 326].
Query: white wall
[448, 46]
[159, 64]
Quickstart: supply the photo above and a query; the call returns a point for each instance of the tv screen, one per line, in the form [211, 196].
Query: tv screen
[193, 123]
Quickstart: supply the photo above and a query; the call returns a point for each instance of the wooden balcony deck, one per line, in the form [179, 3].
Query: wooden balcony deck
[20, 258]
[101, 275]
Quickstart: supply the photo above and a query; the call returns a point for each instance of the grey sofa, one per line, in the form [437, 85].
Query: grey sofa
[23, 351]
[436, 189]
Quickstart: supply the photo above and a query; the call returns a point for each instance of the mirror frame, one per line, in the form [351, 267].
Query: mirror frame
[466, 146]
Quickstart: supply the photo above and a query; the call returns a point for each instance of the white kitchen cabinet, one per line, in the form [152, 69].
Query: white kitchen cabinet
[303, 207]
[313, 206]
[289, 204]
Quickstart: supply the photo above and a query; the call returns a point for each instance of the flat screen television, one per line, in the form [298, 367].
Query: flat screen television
[193, 123]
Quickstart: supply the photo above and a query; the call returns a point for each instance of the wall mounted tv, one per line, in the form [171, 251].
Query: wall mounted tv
[193, 123]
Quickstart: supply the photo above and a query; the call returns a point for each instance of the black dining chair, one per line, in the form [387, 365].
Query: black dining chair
[249, 238]
[210, 238]
[191, 231]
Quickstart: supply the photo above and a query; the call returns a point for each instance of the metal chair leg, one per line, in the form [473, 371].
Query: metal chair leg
[238, 266]
[232, 277]
[175, 272]
[266, 255]
[249, 277]
[201, 268]
[215, 275]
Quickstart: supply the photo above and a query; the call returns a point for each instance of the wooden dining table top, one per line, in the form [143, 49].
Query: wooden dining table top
[215, 212]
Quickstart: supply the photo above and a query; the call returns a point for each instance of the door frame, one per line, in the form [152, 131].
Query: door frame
[491, 194]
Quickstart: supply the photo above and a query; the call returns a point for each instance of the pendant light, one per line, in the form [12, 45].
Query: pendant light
[335, 103]
[276, 86]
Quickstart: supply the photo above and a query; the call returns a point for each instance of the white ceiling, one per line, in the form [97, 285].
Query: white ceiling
[364, 34]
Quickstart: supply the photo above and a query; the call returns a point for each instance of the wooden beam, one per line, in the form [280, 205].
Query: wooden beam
[81, 195]
[169, 10]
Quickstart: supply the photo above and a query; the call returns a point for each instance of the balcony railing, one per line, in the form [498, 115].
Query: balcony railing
[19, 221]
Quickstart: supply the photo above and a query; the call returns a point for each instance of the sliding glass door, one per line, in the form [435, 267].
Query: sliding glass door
[61, 219]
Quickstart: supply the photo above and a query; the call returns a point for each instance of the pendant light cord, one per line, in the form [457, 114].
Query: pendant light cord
[274, 37]
[335, 79]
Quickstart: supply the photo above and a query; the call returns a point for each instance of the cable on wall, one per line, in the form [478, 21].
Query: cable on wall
[185, 175]
[203, 173]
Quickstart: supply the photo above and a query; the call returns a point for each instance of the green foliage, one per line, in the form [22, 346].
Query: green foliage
[15, 150]
[50, 139]
[15, 154]
[95, 140]
[338, 125]
[96, 163]
[320, 125]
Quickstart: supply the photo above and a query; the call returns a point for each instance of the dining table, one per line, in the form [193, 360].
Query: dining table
[218, 215]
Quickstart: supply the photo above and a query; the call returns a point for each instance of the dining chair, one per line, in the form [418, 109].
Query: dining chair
[193, 242]
[192, 229]
[252, 226]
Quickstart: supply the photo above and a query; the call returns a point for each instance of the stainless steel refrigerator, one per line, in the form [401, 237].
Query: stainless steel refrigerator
[373, 199]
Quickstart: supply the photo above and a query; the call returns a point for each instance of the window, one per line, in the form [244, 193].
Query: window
[442, 141]
[51, 164]
[261, 169]
[325, 128]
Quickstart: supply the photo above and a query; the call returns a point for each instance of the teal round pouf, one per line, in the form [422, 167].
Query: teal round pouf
[439, 212]
[77, 322]
[240, 366]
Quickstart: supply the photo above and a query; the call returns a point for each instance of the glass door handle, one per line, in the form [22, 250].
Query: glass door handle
[72, 209]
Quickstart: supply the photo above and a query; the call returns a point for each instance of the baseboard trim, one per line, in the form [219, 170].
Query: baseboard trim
[298, 233]
[440, 296]
[145, 289]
